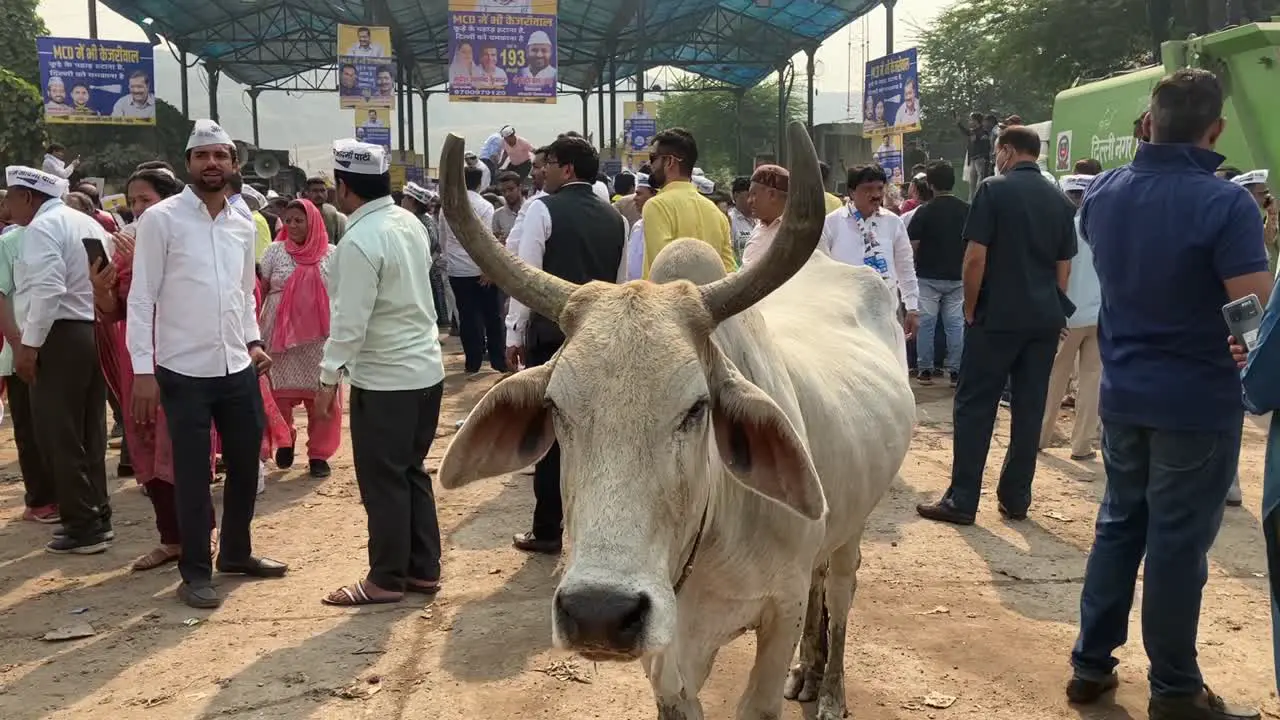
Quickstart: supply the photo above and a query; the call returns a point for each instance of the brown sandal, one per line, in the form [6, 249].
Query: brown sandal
[162, 555]
[422, 587]
[354, 595]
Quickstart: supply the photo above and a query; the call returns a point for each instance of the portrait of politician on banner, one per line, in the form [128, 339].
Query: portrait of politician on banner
[97, 82]
[502, 50]
[639, 126]
[366, 67]
[364, 41]
[891, 95]
[373, 125]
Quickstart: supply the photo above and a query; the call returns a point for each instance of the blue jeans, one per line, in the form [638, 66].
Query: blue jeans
[1165, 496]
[943, 298]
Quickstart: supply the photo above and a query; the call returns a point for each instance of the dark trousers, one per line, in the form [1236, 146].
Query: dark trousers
[164, 502]
[391, 434]
[988, 359]
[438, 297]
[480, 323]
[232, 404]
[36, 477]
[548, 510]
[522, 169]
[1165, 496]
[69, 409]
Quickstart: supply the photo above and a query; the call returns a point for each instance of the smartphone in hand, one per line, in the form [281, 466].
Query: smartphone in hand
[1244, 320]
[97, 253]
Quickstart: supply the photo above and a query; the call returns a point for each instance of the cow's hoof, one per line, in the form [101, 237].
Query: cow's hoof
[802, 684]
[831, 708]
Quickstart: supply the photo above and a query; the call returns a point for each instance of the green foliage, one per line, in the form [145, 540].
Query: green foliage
[113, 151]
[713, 118]
[22, 137]
[22, 25]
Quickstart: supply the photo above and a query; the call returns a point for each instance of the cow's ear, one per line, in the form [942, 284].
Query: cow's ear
[759, 445]
[509, 429]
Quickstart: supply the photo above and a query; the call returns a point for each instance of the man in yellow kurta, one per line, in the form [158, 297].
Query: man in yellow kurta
[678, 210]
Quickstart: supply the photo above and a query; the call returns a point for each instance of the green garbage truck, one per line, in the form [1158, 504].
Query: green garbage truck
[1097, 119]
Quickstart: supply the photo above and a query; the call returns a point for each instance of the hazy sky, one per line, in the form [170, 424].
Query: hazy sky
[279, 113]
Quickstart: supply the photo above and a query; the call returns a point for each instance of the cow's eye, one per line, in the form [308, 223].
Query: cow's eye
[693, 417]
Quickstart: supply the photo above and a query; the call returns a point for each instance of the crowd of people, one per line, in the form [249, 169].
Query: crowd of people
[207, 348]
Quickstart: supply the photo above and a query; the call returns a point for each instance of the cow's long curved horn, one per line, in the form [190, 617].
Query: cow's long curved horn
[542, 292]
[799, 235]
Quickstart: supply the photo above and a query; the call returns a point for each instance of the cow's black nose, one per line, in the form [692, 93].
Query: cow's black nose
[595, 618]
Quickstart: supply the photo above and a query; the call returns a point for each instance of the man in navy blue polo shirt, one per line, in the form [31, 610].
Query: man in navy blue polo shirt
[1172, 244]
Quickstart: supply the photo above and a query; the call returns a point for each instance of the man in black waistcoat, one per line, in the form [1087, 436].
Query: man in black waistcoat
[574, 235]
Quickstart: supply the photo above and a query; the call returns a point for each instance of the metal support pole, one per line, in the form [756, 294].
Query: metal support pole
[888, 25]
[408, 100]
[93, 19]
[641, 43]
[426, 128]
[809, 53]
[600, 115]
[782, 115]
[186, 96]
[214, 74]
[613, 107]
[586, 105]
[400, 105]
[253, 112]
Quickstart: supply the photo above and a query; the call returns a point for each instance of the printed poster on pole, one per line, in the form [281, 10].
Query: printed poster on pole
[891, 95]
[373, 125]
[639, 125]
[502, 51]
[888, 155]
[366, 67]
[97, 82]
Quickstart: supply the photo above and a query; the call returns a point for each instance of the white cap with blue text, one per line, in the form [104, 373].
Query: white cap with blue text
[417, 192]
[41, 182]
[1253, 177]
[360, 158]
[1076, 183]
[208, 132]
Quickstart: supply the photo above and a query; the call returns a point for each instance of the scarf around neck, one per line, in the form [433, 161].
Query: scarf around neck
[303, 314]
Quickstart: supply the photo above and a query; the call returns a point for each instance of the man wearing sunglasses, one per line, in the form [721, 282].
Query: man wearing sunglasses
[678, 210]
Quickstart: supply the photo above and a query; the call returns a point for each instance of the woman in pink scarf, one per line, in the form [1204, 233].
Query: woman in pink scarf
[294, 319]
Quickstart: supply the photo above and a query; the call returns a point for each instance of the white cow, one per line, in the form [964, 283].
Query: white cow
[719, 456]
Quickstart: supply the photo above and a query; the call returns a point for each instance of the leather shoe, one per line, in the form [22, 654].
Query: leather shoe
[1009, 514]
[1205, 706]
[258, 567]
[529, 542]
[945, 511]
[201, 597]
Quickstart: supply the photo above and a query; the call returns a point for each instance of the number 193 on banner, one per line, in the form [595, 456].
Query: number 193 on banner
[502, 51]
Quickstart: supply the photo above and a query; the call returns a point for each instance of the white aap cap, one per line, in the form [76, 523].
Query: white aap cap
[208, 132]
[1253, 177]
[253, 198]
[360, 158]
[41, 182]
[539, 38]
[704, 185]
[1075, 183]
[507, 131]
[642, 180]
[417, 192]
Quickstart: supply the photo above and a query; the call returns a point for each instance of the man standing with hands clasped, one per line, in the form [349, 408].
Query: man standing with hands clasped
[193, 282]
[383, 336]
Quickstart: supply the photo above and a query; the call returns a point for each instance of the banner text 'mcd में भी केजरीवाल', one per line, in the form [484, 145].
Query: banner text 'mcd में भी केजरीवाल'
[97, 82]
[502, 56]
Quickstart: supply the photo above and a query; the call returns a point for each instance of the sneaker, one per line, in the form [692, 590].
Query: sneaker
[45, 515]
[925, 377]
[1086, 691]
[108, 534]
[320, 469]
[67, 545]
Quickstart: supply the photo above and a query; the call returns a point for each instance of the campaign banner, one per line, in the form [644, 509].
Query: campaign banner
[97, 82]
[891, 95]
[888, 155]
[366, 67]
[502, 51]
[639, 125]
[373, 125]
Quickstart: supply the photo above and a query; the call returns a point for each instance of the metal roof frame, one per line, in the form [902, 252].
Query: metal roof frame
[290, 44]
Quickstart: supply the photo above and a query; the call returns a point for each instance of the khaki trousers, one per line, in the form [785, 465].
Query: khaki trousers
[1080, 345]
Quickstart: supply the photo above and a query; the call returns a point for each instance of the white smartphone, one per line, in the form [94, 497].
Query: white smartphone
[1244, 319]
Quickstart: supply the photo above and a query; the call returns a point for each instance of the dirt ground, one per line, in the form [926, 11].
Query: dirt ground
[985, 614]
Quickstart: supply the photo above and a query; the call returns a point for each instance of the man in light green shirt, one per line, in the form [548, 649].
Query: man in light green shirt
[382, 335]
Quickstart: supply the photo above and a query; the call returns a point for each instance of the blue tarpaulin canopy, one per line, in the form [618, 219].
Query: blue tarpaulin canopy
[274, 43]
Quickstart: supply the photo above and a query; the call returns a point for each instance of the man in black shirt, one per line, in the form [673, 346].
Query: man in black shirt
[937, 237]
[1021, 240]
[978, 151]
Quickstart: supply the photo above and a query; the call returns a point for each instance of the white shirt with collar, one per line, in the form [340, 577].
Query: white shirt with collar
[54, 166]
[635, 252]
[193, 282]
[457, 263]
[601, 190]
[533, 247]
[513, 237]
[842, 239]
[51, 278]
[740, 229]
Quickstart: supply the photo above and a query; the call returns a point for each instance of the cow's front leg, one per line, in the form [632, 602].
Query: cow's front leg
[676, 677]
[842, 581]
[780, 628]
[806, 675]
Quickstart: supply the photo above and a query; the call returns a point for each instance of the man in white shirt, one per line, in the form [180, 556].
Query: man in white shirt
[383, 336]
[474, 162]
[768, 198]
[571, 234]
[193, 334]
[864, 233]
[908, 113]
[56, 356]
[635, 244]
[539, 54]
[741, 221]
[54, 162]
[479, 304]
[365, 47]
[539, 174]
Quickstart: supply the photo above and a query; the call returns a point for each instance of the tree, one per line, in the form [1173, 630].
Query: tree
[713, 118]
[113, 151]
[22, 132]
[22, 25]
